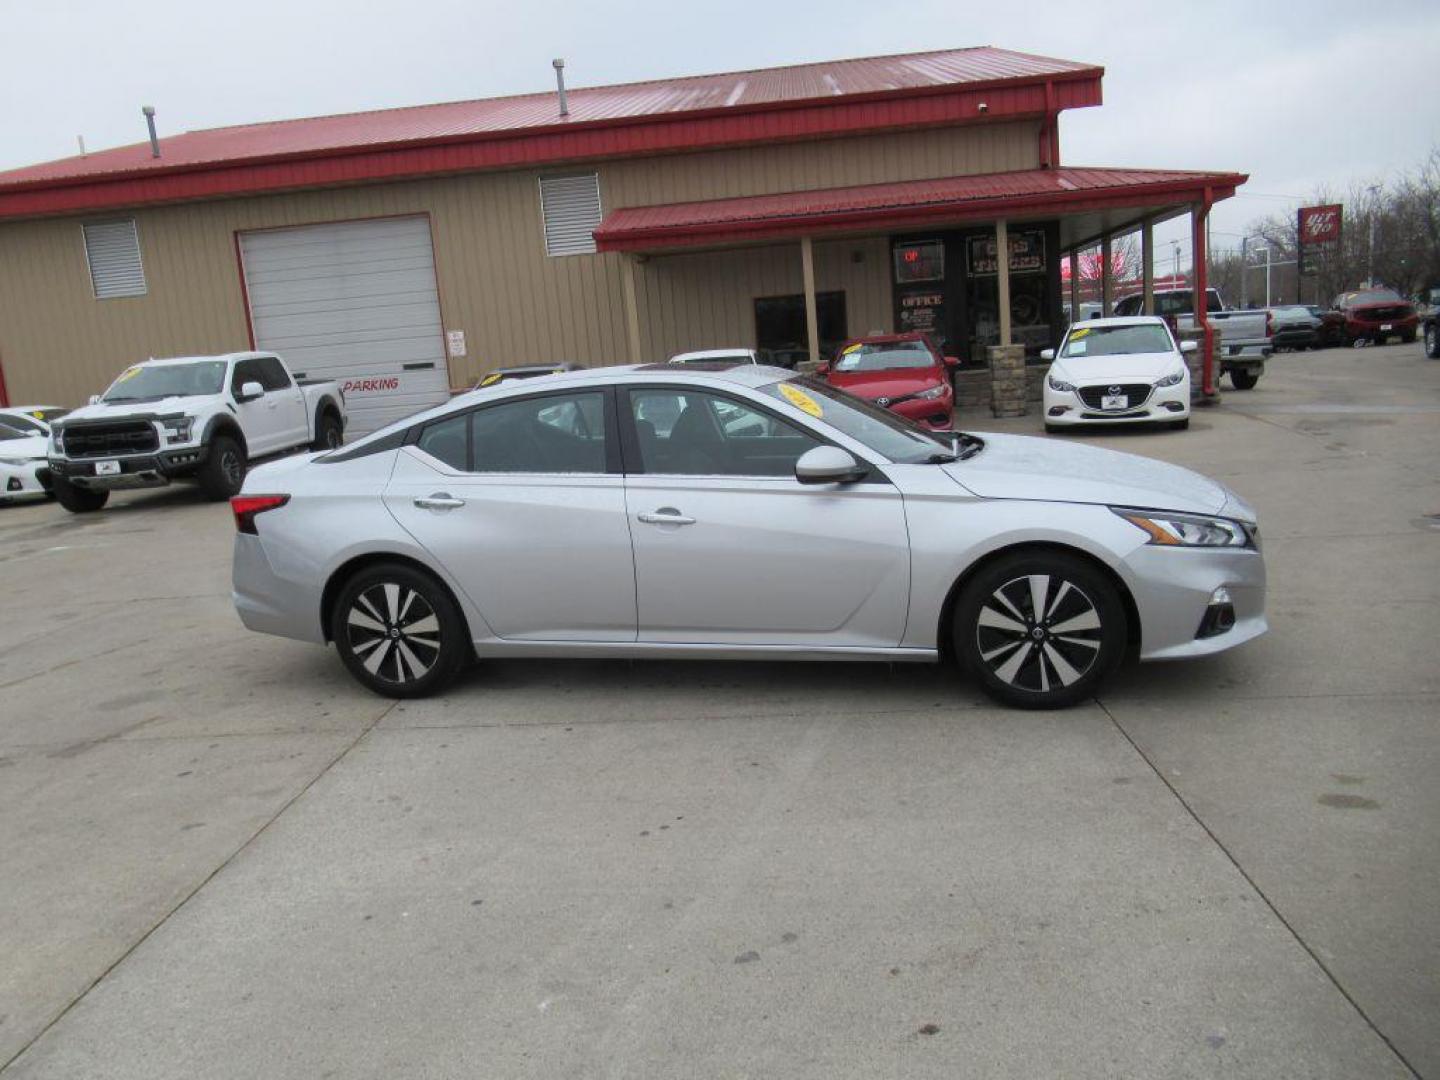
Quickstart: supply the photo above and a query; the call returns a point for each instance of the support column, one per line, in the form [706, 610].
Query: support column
[812, 316]
[1147, 262]
[632, 311]
[1107, 284]
[1002, 279]
[1074, 285]
[1200, 280]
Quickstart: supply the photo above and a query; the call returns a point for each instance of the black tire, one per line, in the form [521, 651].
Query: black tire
[1013, 654]
[404, 624]
[329, 432]
[1432, 342]
[78, 500]
[223, 472]
[1243, 380]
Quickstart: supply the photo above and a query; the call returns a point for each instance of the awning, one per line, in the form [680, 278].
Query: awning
[1102, 196]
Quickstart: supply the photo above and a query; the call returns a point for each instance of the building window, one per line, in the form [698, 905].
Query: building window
[570, 206]
[112, 251]
[780, 332]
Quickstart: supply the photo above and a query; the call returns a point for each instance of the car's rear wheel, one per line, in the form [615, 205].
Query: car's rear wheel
[1040, 630]
[399, 631]
[329, 434]
[78, 500]
[1432, 342]
[1244, 380]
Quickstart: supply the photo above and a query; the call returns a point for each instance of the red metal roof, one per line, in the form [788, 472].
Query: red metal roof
[1030, 191]
[649, 111]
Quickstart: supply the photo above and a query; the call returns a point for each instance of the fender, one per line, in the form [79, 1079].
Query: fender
[220, 424]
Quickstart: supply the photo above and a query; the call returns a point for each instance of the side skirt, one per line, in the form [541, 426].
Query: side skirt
[640, 650]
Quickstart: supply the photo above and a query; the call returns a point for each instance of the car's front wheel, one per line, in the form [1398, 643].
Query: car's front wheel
[399, 631]
[1039, 630]
[223, 472]
[78, 500]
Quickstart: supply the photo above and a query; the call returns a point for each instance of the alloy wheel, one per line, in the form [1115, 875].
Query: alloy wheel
[394, 632]
[230, 466]
[1039, 633]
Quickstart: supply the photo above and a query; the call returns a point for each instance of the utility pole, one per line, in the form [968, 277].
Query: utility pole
[1374, 190]
[1175, 250]
[1244, 275]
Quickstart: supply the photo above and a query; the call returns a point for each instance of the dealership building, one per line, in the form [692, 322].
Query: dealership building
[409, 251]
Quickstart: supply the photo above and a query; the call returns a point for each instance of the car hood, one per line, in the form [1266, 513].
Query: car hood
[1134, 367]
[32, 446]
[874, 384]
[120, 410]
[1024, 467]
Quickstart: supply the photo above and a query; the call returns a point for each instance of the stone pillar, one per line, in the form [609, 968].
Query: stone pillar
[1195, 361]
[1007, 380]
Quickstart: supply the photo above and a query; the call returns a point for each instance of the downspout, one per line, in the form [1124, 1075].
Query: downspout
[1200, 257]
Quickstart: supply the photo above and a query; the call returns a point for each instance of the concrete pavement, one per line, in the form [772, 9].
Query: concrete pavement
[220, 858]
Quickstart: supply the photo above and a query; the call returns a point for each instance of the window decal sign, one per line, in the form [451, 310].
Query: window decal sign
[1027, 253]
[800, 399]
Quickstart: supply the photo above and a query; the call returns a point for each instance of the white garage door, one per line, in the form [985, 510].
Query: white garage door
[352, 301]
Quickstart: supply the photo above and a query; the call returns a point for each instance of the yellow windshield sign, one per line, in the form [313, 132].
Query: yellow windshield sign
[130, 374]
[1076, 335]
[491, 379]
[800, 399]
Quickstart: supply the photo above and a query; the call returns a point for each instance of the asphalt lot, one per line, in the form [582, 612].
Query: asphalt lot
[220, 858]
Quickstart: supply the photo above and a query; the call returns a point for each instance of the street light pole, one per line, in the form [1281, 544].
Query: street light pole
[1175, 250]
[1244, 282]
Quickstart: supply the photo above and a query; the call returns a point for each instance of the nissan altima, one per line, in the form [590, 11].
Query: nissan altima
[734, 511]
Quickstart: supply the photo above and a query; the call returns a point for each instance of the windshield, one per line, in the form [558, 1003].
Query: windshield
[1117, 340]
[1371, 296]
[881, 430]
[885, 357]
[151, 383]
[8, 432]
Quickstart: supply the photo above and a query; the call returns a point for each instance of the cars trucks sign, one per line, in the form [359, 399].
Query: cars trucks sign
[1318, 229]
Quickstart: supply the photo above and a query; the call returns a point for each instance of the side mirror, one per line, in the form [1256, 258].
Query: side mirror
[828, 465]
[250, 391]
[1189, 346]
[1047, 354]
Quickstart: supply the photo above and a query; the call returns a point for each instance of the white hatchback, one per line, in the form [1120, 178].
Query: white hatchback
[1128, 371]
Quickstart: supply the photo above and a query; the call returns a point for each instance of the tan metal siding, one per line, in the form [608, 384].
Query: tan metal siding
[516, 305]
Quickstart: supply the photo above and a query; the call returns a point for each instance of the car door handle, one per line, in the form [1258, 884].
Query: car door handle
[666, 515]
[441, 500]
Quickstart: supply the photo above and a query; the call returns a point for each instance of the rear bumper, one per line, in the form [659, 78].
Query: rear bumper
[286, 605]
[137, 471]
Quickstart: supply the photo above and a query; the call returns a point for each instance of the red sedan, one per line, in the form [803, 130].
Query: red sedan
[900, 372]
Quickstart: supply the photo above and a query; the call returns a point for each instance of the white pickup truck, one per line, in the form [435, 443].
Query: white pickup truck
[1245, 337]
[202, 417]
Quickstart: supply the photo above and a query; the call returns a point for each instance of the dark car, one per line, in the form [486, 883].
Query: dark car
[1376, 315]
[905, 373]
[1296, 327]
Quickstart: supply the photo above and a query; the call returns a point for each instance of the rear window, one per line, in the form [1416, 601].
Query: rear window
[1371, 296]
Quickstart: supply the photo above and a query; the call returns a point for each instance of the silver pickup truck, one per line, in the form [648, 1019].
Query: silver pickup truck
[1244, 336]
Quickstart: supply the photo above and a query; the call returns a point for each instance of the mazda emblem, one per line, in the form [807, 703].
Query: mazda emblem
[1114, 389]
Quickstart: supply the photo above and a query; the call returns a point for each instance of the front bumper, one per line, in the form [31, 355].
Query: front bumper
[28, 481]
[137, 471]
[1173, 587]
[1380, 329]
[1165, 403]
[937, 414]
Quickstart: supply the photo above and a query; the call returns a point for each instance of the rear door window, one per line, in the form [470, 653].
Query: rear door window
[556, 433]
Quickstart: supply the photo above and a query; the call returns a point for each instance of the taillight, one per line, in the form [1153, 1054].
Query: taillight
[246, 507]
[1269, 324]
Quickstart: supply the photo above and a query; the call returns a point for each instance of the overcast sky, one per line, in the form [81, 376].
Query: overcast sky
[1296, 94]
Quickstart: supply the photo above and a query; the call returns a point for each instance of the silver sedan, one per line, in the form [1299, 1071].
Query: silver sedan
[738, 512]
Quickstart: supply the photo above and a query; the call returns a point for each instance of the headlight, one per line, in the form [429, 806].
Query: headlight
[16, 462]
[933, 393]
[1173, 378]
[1191, 530]
[1059, 385]
[178, 428]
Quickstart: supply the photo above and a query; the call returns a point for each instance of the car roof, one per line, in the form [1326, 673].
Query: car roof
[1115, 320]
[719, 354]
[164, 361]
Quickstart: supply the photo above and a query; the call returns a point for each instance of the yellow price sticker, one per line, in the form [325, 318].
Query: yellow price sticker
[491, 379]
[129, 374]
[847, 351]
[1076, 335]
[800, 399]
